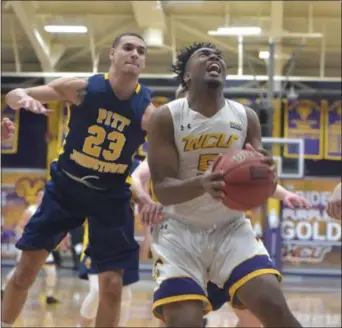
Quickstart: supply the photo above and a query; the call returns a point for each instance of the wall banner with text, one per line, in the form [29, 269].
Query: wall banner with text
[303, 119]
[332, 149]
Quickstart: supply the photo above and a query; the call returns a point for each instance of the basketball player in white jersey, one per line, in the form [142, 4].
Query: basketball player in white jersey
[216, 296]
[208, 242]
[49, 266]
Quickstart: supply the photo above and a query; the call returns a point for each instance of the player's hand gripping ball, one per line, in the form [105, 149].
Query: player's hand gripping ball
[249, 178]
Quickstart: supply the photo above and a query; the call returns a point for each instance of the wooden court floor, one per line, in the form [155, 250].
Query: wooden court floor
[314, 307]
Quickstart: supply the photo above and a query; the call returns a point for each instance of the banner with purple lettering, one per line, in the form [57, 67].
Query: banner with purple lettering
[303, 119]
[311, 239]
[19, 189]
[332, 149]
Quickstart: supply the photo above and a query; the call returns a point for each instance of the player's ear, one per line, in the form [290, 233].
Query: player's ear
[187, 77]
[112, 54]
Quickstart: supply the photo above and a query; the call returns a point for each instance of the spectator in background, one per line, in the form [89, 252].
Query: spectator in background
[7, 129]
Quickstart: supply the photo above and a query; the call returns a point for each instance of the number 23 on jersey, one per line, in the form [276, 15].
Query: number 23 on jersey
[97, 135]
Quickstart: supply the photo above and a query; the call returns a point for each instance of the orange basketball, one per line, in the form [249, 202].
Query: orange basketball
[249, 182]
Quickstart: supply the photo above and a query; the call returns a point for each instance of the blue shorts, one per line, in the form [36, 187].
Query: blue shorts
[130, 276]
[66, 204]
[217, 296]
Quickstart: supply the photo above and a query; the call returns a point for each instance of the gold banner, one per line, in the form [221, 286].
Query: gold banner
[310, 236]
[332, 127]
[19, 189]
[303, 119]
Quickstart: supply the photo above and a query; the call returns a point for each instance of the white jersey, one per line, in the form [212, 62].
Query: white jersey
[199, 140]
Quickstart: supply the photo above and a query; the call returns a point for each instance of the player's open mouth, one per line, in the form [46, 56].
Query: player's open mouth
[214, 68]
[132, 64]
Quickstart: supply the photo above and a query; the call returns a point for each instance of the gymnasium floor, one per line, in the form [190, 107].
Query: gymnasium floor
[315, 302]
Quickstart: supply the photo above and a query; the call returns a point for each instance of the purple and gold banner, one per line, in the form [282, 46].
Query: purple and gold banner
[10, 146]
[311, 239]
[303, 119]
[19, 189]
[332, 149]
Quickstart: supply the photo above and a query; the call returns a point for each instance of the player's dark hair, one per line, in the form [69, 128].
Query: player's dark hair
[179, 68]
[120, 36]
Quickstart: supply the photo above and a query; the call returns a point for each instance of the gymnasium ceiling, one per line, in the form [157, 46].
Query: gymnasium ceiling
[26, 47]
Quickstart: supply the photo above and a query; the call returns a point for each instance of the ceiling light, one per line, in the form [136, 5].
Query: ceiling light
[264, 54]
[65, 29]
[236, 31]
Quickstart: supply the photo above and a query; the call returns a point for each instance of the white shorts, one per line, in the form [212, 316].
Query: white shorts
[186, 258]
[49, 259]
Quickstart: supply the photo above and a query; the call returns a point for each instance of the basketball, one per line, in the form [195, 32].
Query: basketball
[249, 182]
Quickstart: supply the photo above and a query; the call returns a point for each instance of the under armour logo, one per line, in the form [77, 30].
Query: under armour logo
[188, 126]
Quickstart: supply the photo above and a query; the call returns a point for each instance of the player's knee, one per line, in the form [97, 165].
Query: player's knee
[274, 305]
[183, 314]
[247, 319]
[28, 268]
[23, 278]
[111, 285]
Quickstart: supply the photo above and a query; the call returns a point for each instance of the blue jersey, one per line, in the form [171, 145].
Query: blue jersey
[103, 135]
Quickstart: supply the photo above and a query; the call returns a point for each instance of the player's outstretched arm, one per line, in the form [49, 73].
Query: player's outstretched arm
[68, 89]
[163, 163]
[289, 198]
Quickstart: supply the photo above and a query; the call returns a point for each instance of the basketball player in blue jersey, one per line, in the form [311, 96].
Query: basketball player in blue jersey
[108, 116]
